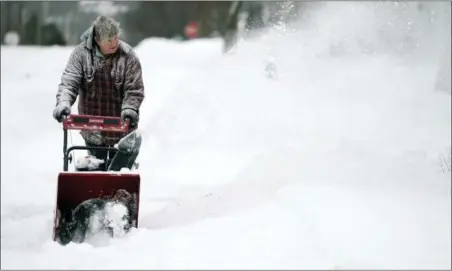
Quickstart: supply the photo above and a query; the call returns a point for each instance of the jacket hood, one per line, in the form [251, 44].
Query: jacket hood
[87, 38]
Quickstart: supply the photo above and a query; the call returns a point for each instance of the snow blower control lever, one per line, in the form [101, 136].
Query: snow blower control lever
[91, 123]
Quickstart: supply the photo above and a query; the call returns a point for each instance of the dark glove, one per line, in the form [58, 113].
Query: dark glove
[132, 115]
[62, 109]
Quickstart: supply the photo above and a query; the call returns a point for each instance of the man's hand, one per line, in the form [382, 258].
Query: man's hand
[62, 109]
[132, 115]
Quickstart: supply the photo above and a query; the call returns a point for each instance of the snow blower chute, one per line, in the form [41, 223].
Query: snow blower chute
[87, 190]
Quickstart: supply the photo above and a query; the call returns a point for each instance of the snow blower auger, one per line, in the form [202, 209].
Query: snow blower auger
[92, 196]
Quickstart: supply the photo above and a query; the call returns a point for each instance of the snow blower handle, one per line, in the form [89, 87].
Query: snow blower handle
[90, 123]
[95, 123]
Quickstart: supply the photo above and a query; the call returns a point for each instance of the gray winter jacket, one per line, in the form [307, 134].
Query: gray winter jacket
[80, 69]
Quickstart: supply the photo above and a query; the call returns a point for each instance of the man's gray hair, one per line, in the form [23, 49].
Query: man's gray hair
[105, 28]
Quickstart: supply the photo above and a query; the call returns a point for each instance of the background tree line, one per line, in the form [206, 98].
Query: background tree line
[62, 23]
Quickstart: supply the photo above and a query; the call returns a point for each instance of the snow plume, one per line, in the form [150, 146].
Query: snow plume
[111, 221]
[367, 28]
[405, 33]
[382, 27]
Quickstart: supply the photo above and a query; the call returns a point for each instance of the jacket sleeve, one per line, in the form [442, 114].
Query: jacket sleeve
[133, 84]
[71, 78]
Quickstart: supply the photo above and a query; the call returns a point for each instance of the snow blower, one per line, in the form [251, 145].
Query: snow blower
[89, 189]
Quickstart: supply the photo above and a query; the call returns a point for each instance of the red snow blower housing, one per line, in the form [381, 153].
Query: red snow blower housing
[80, 193]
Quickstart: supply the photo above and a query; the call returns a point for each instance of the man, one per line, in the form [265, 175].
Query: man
[105, 74]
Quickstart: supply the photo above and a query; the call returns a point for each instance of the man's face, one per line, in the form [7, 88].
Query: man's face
[109, 46]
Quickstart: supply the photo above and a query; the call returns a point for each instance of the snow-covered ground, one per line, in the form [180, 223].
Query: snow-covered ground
[336, 164]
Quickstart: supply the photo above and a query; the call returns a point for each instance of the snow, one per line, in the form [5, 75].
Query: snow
[88, 162]
[335, 164]
[113, 215]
